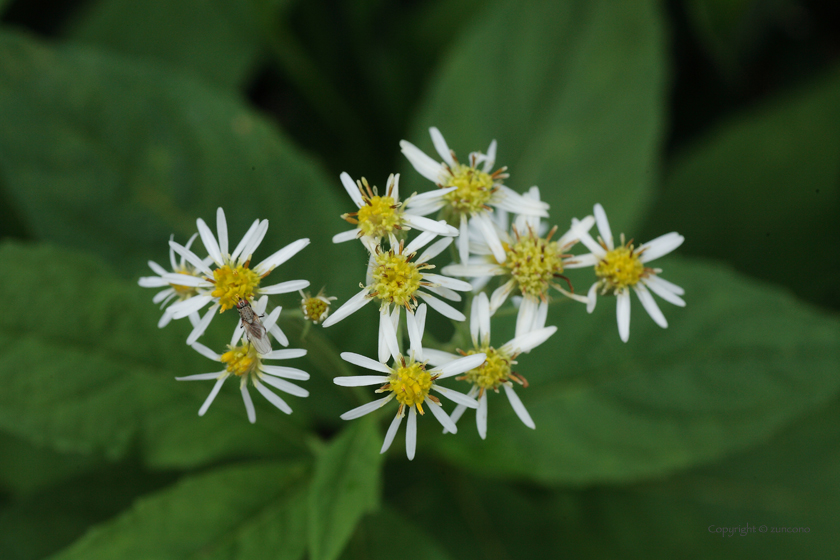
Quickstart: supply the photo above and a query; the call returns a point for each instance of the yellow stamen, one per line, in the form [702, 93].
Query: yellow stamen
[533, 262]
[379, 216]
[619, 269]
[410, 384]
[493, 372]
[231, 284]
[395, 278]
[241, 360]
[474, 189]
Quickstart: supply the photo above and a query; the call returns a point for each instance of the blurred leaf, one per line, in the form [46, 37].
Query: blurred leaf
[25, 468]
[68, 509]
[251, 511]
[372, 539]
[724, 30]
[85, 369]
[738, 363]
[345, 486]
[573, 91]
[763, 187]
[218, 39]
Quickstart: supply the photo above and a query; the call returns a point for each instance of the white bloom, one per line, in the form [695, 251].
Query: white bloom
[408, 380]
[382, 216]
[623, 267]
[476, 193]
[315, 309]
[496, 370]
[233, 276]
[397, 279]
[243, 361]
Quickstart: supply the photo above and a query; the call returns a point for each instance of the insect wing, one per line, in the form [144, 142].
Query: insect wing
[258, 336]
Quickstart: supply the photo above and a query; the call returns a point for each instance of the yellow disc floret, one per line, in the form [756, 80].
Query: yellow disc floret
[493, 372]
[241, 360]
[395, 278]
[533, 262]
[379, 216]
[410, 384]
[314, 308]
[234, 283]
[474, 189]
[620, 268]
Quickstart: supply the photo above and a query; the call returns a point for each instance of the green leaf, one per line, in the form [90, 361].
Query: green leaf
[375, 539]
[574, 93]
[85, 369]
[733, 367]
[26, 468]
[251, 511]
[763, 186]
[346, 485]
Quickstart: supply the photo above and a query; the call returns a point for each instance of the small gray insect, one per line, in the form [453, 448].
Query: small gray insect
[253, 327]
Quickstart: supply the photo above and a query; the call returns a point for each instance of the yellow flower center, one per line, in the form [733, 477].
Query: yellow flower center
[241, 360]
[184, 292]
[533, 262]
[231, 284]
[493, 372]
[410, 384]
[379, 216]
[620, 268]
[474, 189]
[314, 308]
[395, 278]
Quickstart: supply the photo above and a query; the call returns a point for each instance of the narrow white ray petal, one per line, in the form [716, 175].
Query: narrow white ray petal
[283, 371]
[391, 433]
[581, 232]
[456, 396]
[365, 362]
[518, 407]
[245, 239]
[281, 256]
[542, 316]
[671, 287]
[284, 287]
[458, 366]
[481, 416]
[425, 166]
[464, 240]
[445, 293]
[271, 320]
[222, 231]
[656, 287]
[659, 247]
[286, 387]
[414, 337]
[490, 159]
[473, 270]
[188, 306]
[434, 249]
[592, 295]
[527, 314]
[157, 269]
[438, 357]
[485, 225]
[192, 258]
[162, 295]
[604, 226]
[238, 333]
[419, 242]
[202, 376]
[441, 147]
[500, 295]
[447, 282]
[411, 434]
[389, 334]
[427, 209]
[194, 318]
[254, 242]
[441, 416]
[622, 313]
[203, 324]
[186, 280]
[285, 354]
[581, 261]
[172, 260]
[528, 341]
[460, 409]
[366, 408]
[345, 236]
[426, 198]
[164, 320]
[204, 351]
[474, 321]
[650, 305]
[442, 307]
[352, 189]
[249, 404]
[420, 318]
[212, 396]
[425, 224]
[272, 397]
[361, 380]
[279, 335]
[570, 295]
[350, 306]
[483, 305]
[170, 295]
[210, 243]
[152, 282]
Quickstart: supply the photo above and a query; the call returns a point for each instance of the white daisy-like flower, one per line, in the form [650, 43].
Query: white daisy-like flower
[476, 191]
[533, 265]
[408, 380]
[232, 276]
[379, 217]
[316, 308]
[396, 279]
[623, 267]
[173, 291]
[243, 361]
[496, 370]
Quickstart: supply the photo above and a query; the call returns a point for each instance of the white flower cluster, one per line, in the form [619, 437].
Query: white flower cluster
[226, 280]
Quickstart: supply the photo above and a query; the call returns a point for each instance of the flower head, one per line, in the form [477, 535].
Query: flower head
[622, 268]
[317, 308]
[409, 382]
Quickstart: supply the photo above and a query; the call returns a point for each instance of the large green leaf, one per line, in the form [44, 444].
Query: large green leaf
[26, 468]
[85, 369]
[346, 485]
[763, 187]
[734, 366]
[385, 534]
[250, 511]
[573, 91]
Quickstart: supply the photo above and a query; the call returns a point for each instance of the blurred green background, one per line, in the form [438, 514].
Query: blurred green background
[121, 122]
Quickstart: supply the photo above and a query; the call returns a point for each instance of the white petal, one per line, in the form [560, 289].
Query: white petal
[186, 280]
[162, 295]
[253, 242]
[206, 352]
[438, 357]
[245, 239]
[447, 282]
[473, 270]
[518, 407]
[352, 189]
[286, 387]
[434, 249]
[464, 240]
[622, 313]
[286, 354]
[152, 282]
[361, 380]
[542, 315]
[411, 434]
[529, 341]
[485, 225]
[271, 397]
[650, 305]
[441, 147]
[481, 416]
[490, 158]
[456, 397]
[459, 366]
[445, 293]
[281, 256]
[350, 306]
[249, 404]
[419, 242]
[366, 408]
[209, 400]
[604, 226]
[667, 285]
[388, 334]
[442, 307]
[164, 320]
[271, 320]
[345, 236]
[365, 362]
[428, 198]
[278, 334]
[157, 269]
[581, 261]
[209, 241]
[414, 337]
[203, 324]
[527, 314]
[284, 287]
[441, 416]
[483, 305]
[460, 409]
[659, 247]
[283, 371]
[425, 166]
[656, 287]
[391, 433]
[580, 229]
[188, 306]
[420, 318]
[500, 295]
[221, 229]
[592, 295]
[192, 258]
[432, 226]
[202, 376]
